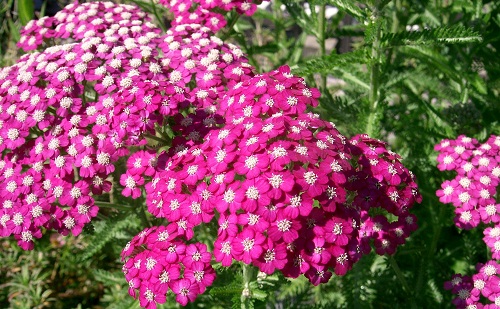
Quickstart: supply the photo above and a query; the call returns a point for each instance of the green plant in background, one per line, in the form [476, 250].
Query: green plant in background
[414, 72]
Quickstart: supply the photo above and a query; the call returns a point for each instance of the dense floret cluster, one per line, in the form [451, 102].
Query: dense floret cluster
[473, 189]
[95, 19]
[204, 137]
[289, 192]
[159, 260]
[206, 12]
[481, 291]
[73, 110]
[472, 192]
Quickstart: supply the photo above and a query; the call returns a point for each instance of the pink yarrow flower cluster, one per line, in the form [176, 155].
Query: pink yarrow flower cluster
[277, 180]
[206, 12]
[77, 21]
[159, 260]
[472, 192]
[51, 124]
[288, 190]
[473, 189]
[482, 290]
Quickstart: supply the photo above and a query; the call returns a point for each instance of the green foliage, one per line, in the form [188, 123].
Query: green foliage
[440, 35]
[26, 10]
[350, 7]
[108, 231]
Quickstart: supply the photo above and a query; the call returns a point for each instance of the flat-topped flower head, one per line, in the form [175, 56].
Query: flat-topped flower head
[477, 176]
[158, 260]
[82, 20]
[289, 174]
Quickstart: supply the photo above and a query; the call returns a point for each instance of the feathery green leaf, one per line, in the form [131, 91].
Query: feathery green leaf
[439, 35]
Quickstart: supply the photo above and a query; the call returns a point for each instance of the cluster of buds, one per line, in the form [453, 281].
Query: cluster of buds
[472, 192]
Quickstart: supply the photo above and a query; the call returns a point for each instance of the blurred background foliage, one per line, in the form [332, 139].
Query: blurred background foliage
[408, 72]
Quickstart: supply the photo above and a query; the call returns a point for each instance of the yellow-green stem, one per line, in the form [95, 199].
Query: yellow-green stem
[322, 40]
[246, 294]
[374, 95]
[158, 17]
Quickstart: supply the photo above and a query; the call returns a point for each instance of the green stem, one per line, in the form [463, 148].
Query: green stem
[278, 31]
[321, 40]
[111, 205]
[156, 138]
[44, 7]
[246, 294]
[400, 276]
[230, 26]
[144, 216]
[374, 95]
[158, 17]
[437, 223]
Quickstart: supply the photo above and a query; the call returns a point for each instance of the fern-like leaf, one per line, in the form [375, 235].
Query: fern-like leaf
[108, 233]
[439, 35]
[228, 290]
[327, 64]
[107, 277]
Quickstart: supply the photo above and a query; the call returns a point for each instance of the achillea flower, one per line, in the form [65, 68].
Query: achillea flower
[473, 188]
[479, 290]
[158, 260]
[279, 162]
[83, 20]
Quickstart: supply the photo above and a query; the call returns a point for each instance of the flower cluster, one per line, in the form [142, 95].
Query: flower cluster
[193, 53]
[289, 192]
[158, 260]
[78, 21]
[472, 192]
[205, 12]
[73, 110]
[472, 292]
[473, 189]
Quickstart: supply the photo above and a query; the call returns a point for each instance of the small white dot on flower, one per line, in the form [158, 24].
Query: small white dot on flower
[459, 149]
[86, 161]
[26, 236]
[466, 216]
[448, 159]
[226, 248]
[292, 101]
[465, 182]
[12, 134]
[310, 177]
[485, 194]
[301, 150]
[229, 196]
[280, 87]
[284, 225]
[252, 193]
[192, 170]
[490, 270]
[251, 162]
[276, 181]
[69, 223]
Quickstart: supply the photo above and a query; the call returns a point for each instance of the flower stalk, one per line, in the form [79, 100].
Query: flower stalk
[246, 294]
[374, 94]
[322, 40]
